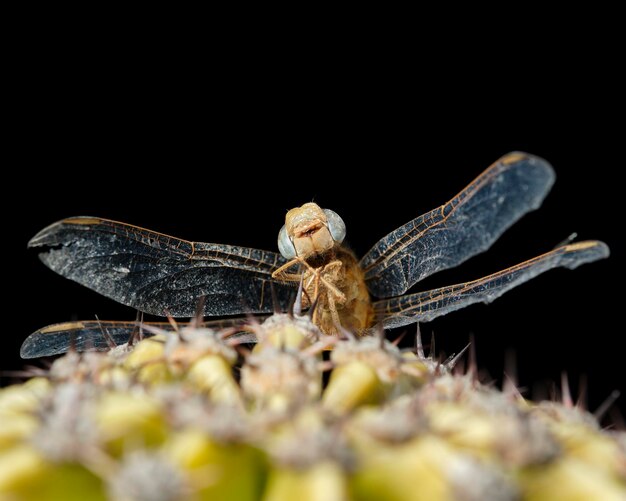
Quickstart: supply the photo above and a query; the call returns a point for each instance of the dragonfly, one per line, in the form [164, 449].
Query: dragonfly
[165, 276]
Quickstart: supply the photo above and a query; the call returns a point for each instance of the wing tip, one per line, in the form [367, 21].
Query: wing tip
[536, 161]
[47, 235]
[606, 251]
[41, 237]
[594, 250]
[537, 172]
[29, 346]
[27, 351]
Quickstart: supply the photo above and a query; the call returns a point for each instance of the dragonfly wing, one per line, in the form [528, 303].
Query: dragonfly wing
[96, 335]
[428, 305]
[83, 336]
[467, 225]
[159, 274]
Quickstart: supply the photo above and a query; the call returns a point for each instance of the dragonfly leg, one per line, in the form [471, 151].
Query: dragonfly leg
[332, 306]
[282, 274]
[331, 270]
[318, 274]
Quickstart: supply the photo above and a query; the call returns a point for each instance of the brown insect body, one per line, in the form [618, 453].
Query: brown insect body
[353, 308]
[331, 276]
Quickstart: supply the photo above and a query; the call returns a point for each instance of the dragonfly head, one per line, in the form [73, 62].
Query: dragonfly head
[310, 231]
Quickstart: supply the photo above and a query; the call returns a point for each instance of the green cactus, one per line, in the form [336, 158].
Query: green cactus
[184, 416]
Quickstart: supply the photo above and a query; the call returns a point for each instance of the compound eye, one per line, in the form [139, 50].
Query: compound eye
[285, 245]
[336, 226]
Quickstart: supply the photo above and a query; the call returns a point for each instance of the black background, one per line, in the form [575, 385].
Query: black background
[220, 157]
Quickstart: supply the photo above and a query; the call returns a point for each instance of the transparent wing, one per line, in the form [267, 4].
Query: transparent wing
[425, 306]
[159, 274]
[83, 336]
[467, 225]
[96, 335]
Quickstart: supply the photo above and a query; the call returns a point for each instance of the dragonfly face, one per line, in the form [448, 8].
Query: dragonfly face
[160, 274]
[310, 231]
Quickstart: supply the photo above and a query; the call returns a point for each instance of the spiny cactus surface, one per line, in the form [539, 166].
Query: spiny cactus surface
[192, 416]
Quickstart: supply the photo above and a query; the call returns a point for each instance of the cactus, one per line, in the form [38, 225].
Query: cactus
[193, 415]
